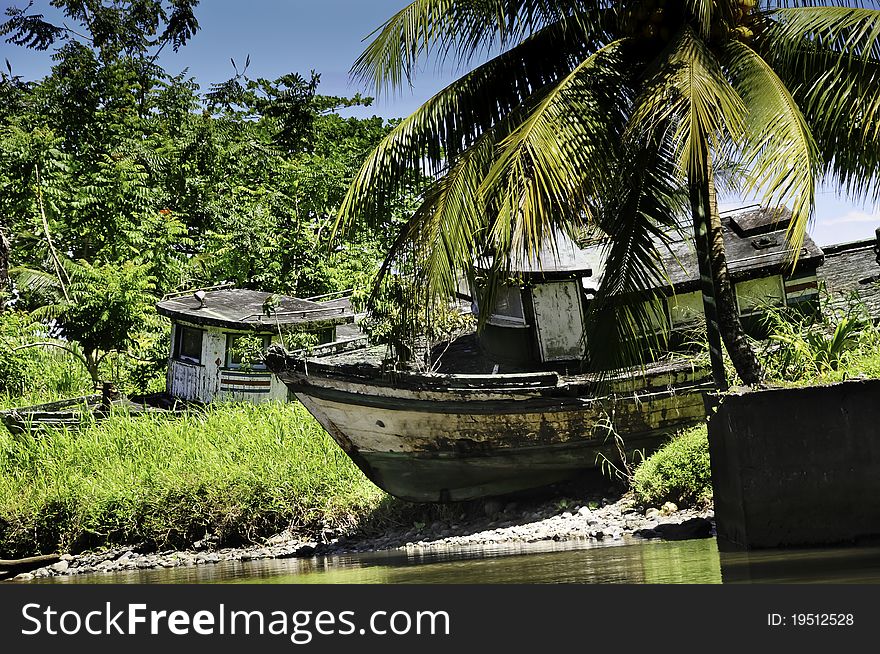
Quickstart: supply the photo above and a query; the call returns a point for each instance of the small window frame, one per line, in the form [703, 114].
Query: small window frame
[509, 309]
[180, 332]
[229, 364]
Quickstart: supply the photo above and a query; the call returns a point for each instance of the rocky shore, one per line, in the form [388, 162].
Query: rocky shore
[497, 523]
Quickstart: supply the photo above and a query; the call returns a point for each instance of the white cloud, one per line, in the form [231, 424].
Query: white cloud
[854, 217]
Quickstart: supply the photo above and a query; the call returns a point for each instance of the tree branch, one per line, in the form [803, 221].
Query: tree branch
[59, 269]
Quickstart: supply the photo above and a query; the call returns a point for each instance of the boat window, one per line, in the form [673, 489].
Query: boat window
[238, 346]
[508, 305]
[188, 344]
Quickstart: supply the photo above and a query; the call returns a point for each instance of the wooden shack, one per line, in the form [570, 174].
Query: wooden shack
[538, 318]
[761, 266]
[205, 362]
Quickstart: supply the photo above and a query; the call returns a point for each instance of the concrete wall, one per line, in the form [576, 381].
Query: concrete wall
[797, 467]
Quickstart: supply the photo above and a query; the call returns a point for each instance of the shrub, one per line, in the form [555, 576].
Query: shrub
[678, 472]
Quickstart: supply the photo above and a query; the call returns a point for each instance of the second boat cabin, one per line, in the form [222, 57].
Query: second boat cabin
[214, 331]
[540, 318]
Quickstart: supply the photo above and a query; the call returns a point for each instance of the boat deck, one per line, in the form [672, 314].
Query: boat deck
[463, 356]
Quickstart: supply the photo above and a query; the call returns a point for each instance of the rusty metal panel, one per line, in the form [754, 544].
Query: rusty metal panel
[559, 318]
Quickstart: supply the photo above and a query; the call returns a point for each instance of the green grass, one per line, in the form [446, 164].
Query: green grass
[678, 472]
[42, 375]
[239, 472]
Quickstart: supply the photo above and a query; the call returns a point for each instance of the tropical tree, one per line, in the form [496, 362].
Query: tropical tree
[608, 115]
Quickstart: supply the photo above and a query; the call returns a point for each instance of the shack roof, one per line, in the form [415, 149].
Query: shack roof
[759, 254]
[852, 275]
[242, 309]
[559, 256]
[754, 241]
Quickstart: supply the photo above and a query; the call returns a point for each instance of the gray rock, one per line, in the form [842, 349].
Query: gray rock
[669, 508]
[693, 528]
[585, 512]
[304, 551]
[60, 567]
[652, 513]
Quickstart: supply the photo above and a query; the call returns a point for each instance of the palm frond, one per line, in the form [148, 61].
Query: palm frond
[690, 92]
[703, 11]
[626, 320]
[449, 226]
[557, 157]
[780, 154]
[838, 89]
[454, 118]
[854, 30]
[34, 278]
[459, 29]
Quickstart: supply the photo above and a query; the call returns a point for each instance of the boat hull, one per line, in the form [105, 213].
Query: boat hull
[445, 438]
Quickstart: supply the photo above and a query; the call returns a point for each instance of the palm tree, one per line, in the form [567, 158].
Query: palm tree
[604, 115]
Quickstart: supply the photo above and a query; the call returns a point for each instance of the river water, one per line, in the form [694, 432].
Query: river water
[627, 562]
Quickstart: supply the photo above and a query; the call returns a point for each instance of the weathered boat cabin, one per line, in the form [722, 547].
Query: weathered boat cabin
[539, 318]
[212, 331]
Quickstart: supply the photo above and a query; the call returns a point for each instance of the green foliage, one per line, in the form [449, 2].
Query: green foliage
[678, 472]
[809, 347]
[299, 340]
[35, 375]
[239, 472]
[593, 115]
[410, 321]
[120, 182]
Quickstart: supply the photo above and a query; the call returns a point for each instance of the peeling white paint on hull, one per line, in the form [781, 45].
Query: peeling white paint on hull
[435, 444]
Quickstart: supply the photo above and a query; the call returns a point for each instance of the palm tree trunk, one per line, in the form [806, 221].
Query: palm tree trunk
[700, 210]
[735, 340]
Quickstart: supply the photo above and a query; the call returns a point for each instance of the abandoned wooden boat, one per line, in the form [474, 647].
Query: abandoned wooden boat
[439, 437]
[502, 413]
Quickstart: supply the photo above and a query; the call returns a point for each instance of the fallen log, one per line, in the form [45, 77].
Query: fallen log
[12, 567]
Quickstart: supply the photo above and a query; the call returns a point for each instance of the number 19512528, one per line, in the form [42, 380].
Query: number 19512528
[811, 620]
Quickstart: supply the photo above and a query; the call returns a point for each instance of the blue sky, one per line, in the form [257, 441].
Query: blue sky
[327, 36]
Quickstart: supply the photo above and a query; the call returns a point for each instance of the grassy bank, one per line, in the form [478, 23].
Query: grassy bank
[678, 472]
[237, 472]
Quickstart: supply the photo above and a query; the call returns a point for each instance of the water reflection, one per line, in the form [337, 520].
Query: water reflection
[627, 562]
[840, 565]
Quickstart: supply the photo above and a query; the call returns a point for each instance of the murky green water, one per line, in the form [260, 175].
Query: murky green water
[629, 562]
